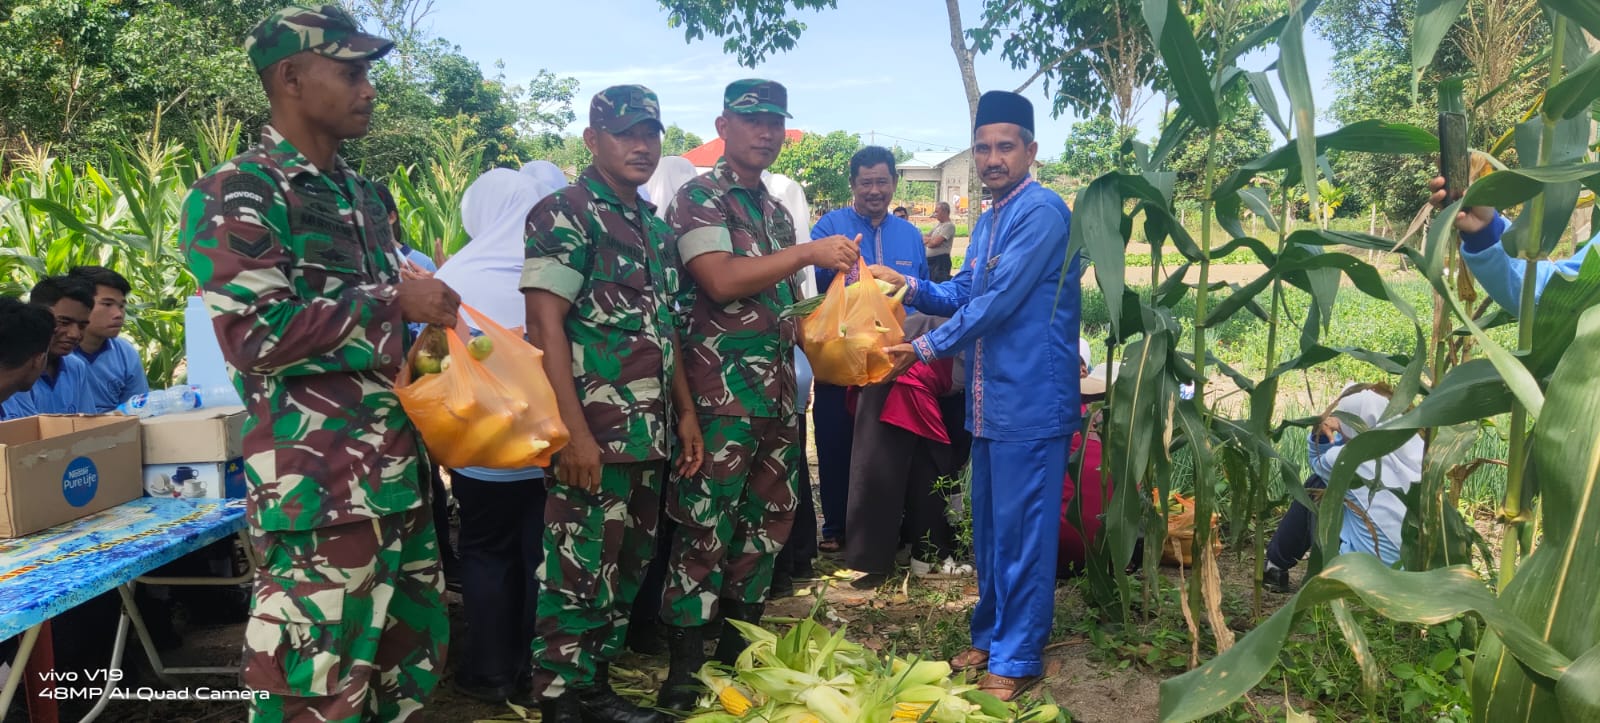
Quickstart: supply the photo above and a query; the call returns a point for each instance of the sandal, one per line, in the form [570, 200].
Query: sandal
[970, 659]
[831, 546]
[1005, 688]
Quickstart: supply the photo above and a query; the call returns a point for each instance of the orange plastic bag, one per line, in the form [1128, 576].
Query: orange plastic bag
[1179, 548]
[844, 338]
[499, 412]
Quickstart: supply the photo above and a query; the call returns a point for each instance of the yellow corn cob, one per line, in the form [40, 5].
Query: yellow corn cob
[733, 701]
[910, 711]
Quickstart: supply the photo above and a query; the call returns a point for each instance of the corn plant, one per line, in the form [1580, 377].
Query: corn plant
[430, 207]
[54, 216]
[1537, 660]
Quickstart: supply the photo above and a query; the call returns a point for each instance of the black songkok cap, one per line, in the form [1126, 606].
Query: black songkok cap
[999, 106]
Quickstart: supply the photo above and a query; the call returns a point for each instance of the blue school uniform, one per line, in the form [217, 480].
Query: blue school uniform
[64, 392]
[115, 374]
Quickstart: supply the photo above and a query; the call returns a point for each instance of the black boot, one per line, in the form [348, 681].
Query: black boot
[600, 704]
[565, 709]
[686, 652]
[732, 642]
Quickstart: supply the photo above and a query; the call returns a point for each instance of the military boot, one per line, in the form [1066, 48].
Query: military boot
[732, 642]
[686, 652]
[601, 704]
[565, 709]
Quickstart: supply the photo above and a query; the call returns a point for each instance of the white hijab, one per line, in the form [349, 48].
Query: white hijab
[670, 175]
[1400, 469]
[793, 198]
[487, 273]
[547, 174]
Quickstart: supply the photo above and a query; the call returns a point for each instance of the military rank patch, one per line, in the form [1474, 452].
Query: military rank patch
[250, 242]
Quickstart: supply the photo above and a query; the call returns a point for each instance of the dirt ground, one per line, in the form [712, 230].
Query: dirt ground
[903, 615]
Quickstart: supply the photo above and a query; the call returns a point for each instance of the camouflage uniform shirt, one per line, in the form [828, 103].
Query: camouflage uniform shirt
[739, 356]
[617, 265]
[296, 267]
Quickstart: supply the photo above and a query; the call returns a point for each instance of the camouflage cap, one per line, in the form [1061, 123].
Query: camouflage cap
[754, 95]
[327, 30]
[621, 107]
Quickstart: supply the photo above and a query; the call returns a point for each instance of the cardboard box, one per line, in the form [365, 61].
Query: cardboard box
[55, 469]
[196, 480]
[200, 435]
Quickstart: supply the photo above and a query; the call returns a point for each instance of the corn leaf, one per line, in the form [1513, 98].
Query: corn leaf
[1553, 591]
[1434, 18]
[1428, 598]
[1187, 69]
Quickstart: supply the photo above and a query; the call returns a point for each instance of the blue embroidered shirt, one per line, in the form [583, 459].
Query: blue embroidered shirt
[1014, 310]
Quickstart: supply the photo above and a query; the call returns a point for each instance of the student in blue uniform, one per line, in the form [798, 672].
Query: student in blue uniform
[25, 334]
[885, 239]
[115, 371]
[1501, 275]
[1014, 312]
[63, 388]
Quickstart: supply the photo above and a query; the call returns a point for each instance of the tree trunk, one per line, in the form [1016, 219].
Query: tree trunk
[969, 82]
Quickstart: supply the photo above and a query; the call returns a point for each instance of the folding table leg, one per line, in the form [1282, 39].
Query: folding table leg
[130, 612]
[18, 668]
[117, 649]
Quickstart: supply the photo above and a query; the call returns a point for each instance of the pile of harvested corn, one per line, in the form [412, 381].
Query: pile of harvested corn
[809, 675]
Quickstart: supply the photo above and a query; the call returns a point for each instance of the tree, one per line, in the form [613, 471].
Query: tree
[1094, 148]
[1240, 139]
[1094, 56]
[567, 152]
[820, 165]
[79, 75]
[677, 141]
[755, 29]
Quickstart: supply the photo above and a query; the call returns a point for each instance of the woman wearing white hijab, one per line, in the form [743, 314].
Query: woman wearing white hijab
[502, 511]
[1372, 519]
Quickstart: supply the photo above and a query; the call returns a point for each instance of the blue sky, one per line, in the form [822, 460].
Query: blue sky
[881, 66]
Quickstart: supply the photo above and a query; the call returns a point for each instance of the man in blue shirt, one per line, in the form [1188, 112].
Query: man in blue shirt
[115, 371]
[63, 388]
[1499, 273]
[885, 239]
[1014, 311]
[25, 334]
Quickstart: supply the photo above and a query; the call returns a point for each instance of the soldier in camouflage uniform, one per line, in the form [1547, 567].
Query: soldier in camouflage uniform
[738, 245]
[601, 279]
[294, 256]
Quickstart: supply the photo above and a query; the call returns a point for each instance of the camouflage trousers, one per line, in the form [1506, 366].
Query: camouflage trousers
[733, 516]
[348, 622]
[596, 548]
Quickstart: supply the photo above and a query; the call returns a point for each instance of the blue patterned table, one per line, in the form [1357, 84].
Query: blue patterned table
[54, 570]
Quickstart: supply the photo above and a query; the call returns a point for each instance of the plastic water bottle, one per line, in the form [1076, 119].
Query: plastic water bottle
[181, 398]
[207, 369]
